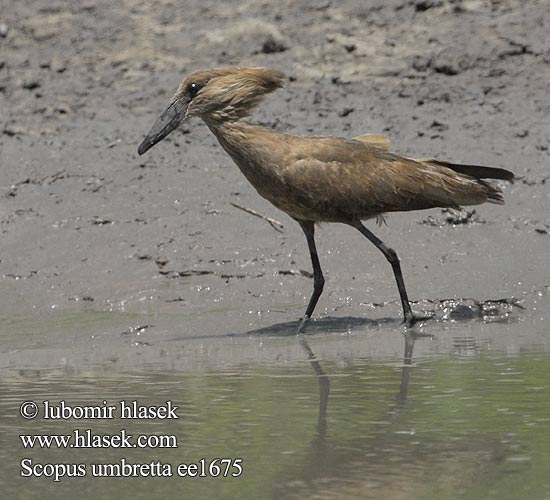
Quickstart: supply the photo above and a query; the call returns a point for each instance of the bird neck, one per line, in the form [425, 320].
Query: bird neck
[243, 141]
[255, 149]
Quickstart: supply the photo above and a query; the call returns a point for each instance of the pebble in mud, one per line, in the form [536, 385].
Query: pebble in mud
[254, 35]
[467, 309]
[31, 84]
[454, 218]
[451, 62]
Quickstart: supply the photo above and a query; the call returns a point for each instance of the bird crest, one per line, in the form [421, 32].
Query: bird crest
[228, 93]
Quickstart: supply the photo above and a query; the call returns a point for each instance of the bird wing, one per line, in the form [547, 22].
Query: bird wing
[351, 178]
[379, 140]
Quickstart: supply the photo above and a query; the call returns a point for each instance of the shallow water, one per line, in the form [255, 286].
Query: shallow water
[460, 410]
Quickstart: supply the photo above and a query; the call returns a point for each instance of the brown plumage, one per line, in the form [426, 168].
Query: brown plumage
[321, 179]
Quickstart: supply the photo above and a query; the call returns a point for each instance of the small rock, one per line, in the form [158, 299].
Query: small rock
[58, 66]
[338, 80]
[421, 63]
[177, 299]
[41, 33]
[465, 312]
[31, 84]
[85, 298]
[258, 36]
[136, 330]
[496, 72]
[439, 126]
[423, 5]
[453, 217]
[404, 93]
[161, 262]
[12, 130]
[449, 62]
[101, 221]
[272, 45]
[322, 5]
[4, 30]
[62, 109]
[345, 112]
[515, 49]
[456, 217]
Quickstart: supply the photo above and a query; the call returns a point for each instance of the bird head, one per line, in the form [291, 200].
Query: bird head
[215, 95]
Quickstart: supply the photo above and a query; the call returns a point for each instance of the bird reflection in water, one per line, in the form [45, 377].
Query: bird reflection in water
[348, 461]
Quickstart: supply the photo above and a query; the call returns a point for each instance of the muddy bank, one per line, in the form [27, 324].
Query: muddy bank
[87, 225]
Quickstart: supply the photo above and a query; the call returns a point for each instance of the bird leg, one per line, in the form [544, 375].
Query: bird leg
[318, 279]
[410, 318]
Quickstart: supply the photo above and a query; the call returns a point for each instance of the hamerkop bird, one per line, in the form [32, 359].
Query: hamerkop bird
[320, 179]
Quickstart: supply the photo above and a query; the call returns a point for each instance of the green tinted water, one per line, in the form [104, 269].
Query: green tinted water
[459, 420]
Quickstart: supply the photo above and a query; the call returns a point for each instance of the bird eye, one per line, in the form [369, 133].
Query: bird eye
[193, 89]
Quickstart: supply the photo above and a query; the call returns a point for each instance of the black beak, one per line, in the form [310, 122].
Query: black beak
[166, 123]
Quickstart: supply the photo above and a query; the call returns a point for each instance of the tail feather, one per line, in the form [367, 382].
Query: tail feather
[494, 194]
[477, 171]
[466, 184]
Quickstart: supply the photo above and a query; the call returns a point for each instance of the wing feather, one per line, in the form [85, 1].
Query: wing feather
[352, 178]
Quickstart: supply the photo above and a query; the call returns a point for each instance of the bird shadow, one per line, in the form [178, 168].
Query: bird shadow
[444, 311]
[329, 324]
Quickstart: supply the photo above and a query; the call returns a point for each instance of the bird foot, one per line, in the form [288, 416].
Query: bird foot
[413, 318]
[303, 325]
